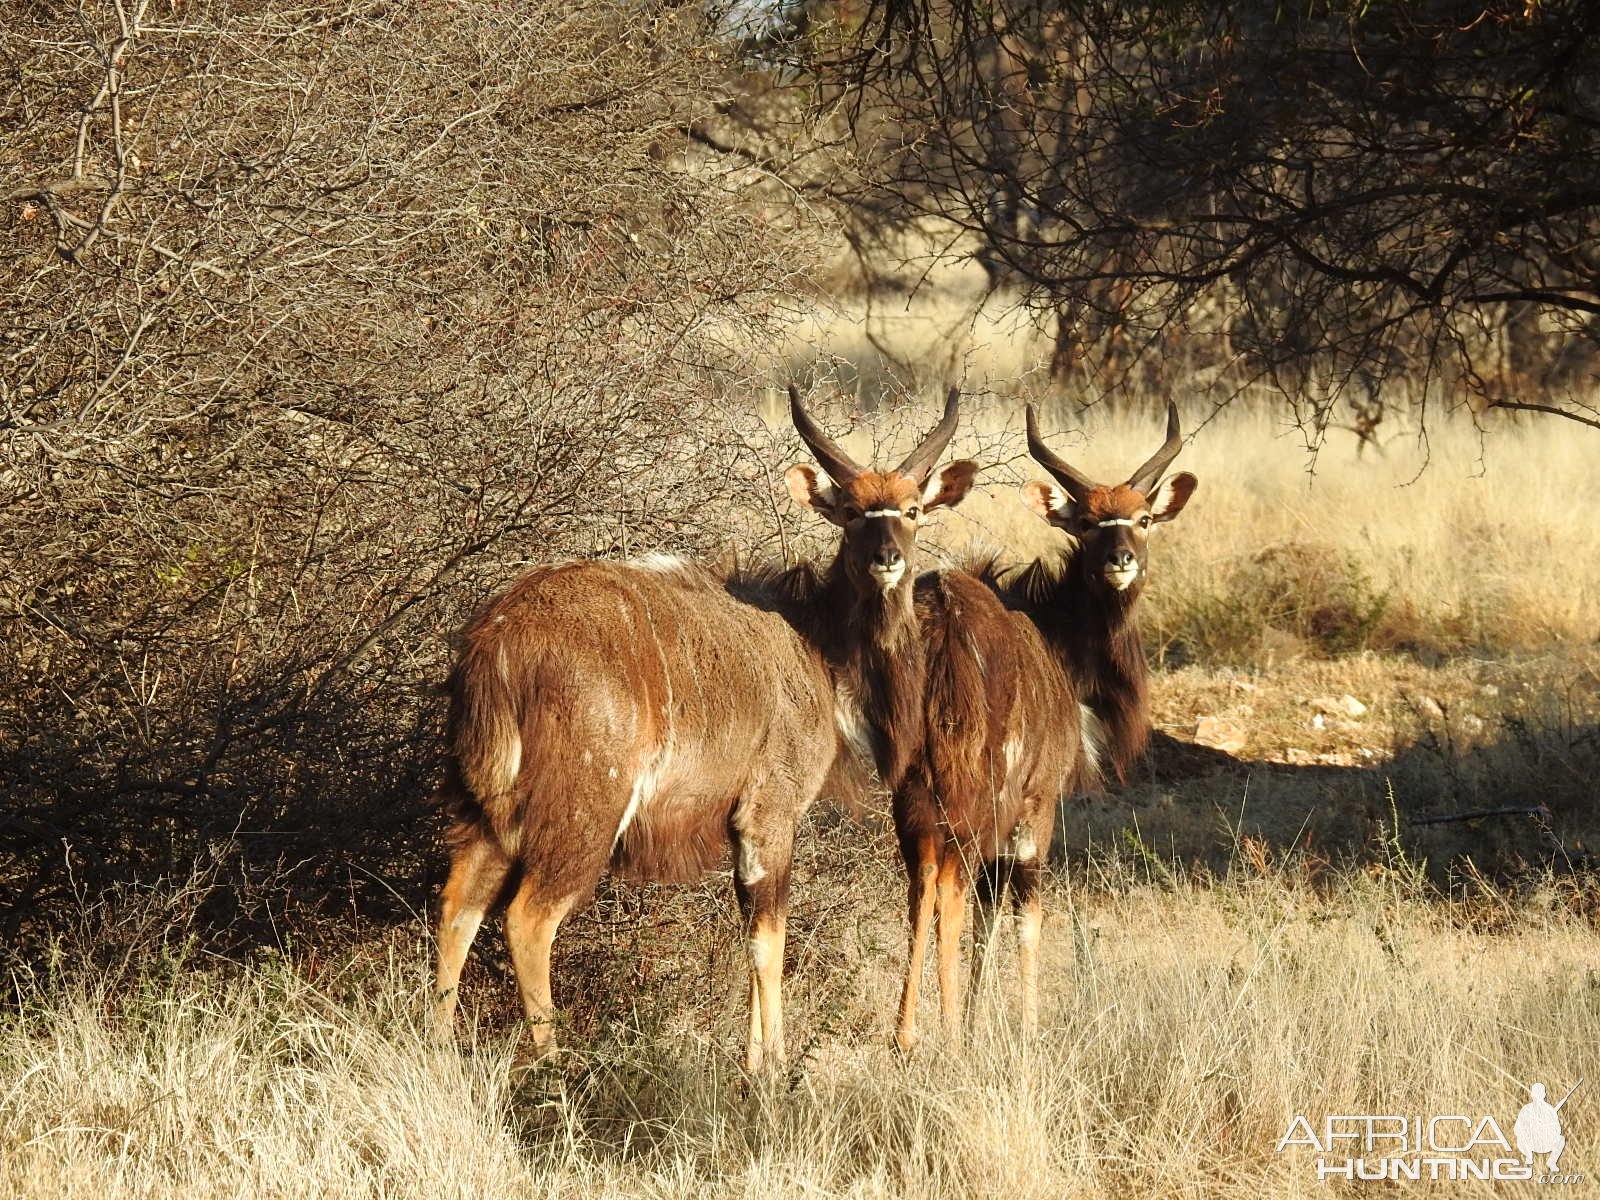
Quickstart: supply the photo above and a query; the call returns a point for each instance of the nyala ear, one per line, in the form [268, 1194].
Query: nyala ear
[1048, 501]
[808, 490]
[950, 486]
[1172, 495]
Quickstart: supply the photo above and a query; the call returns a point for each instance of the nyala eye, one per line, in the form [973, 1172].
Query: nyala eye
[913, 513]
[1144, 521]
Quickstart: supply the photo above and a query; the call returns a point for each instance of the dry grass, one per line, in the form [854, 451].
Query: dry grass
[1478, 552]
[1271, 760]
[1186, 1022]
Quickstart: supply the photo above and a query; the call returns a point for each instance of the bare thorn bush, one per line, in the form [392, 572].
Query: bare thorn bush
[320, 322]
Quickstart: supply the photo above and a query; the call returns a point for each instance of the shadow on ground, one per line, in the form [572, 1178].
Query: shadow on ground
[1521, 802]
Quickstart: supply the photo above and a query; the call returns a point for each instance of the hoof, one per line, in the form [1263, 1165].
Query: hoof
[529, 1066]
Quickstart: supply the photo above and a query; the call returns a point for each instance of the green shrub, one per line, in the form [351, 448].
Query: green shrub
[1314, 597]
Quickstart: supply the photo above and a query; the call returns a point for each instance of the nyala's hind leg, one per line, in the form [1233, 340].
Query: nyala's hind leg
[478, 873]
[761, 881]
[988, 889]
[1029, 902]
[532, 918]
[952, 912]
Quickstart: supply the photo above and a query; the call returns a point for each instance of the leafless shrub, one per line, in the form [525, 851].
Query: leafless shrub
[320, 321]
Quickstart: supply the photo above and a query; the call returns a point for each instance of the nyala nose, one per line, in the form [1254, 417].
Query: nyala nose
[886, 556]
[1121, 560]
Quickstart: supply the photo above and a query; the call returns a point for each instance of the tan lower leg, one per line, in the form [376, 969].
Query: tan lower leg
[752, 1045]
[1030, 923]
[477, 872]
[921, 896]
[766, 1009]
[952, 906]
[531, 924]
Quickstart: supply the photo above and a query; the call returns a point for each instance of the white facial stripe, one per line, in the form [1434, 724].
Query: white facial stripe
[883, 512]
[1106, 524]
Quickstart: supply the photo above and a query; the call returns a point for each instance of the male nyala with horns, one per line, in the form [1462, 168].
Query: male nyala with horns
[647, 716]
[983, 737]
[1084, 601]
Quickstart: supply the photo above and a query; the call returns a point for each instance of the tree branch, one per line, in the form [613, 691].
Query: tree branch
[1551, 409]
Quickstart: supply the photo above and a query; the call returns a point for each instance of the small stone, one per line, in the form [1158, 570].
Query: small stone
[1220, 733]
[1319, 721]
[1345, 706]
[1429, 707]
[1472, 724]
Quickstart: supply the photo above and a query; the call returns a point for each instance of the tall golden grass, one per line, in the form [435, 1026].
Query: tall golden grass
[1187, 1022]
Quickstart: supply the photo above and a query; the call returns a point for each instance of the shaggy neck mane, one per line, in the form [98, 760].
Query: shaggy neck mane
[868, 640]
[1094, 634]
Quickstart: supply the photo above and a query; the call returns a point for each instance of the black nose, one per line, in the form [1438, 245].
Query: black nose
[886, 556]
[1122, 559]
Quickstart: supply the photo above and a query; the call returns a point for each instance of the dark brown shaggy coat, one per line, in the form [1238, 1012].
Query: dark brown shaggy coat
[1001, 745]
[635, 717]
[1092, 631]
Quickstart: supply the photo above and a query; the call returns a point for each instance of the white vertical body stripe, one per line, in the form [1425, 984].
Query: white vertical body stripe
[629, 813]
[645, 786]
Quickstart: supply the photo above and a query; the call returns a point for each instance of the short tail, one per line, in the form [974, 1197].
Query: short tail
[1091, 772]
[485, 732]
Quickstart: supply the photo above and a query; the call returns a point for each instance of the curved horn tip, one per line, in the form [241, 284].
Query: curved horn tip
[839, 465]
[919, 463]
[1036, 442]
[797, 408]
[1146, 476]
[1075, 481]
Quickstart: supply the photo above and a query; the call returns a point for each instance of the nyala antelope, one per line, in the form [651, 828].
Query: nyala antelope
[645, 717]
[1084, 600]
[1002, 743]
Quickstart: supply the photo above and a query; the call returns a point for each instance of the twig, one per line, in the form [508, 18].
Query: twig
[1538, 810]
